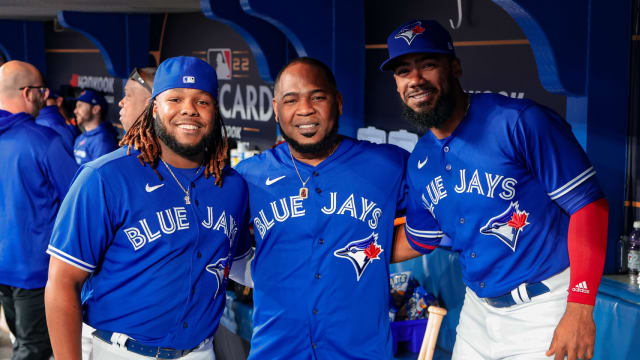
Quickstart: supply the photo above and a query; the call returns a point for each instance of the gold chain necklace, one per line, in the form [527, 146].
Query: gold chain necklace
[304, 192]
[187, 198]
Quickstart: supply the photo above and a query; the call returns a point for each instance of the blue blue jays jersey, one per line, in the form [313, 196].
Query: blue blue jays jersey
[158, 265]
[321, 268]
[502, 186]
[92, 144]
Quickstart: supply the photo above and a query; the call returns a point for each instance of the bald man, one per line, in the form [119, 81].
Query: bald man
[137, 92]
[36, 173]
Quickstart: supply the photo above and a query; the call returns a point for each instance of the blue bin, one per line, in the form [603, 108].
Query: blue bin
[410, 332]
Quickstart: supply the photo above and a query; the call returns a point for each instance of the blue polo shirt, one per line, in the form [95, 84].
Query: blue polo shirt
[92, 144]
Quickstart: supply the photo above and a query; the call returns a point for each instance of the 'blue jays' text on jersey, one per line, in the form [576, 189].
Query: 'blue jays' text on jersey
[36, 173]
[158, 265]
[321, 268]
[92, 144]
[502, 187]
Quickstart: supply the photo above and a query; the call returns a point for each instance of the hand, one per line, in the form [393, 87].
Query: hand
[575, 335]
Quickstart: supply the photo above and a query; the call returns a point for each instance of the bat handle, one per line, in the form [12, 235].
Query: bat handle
[431, 333]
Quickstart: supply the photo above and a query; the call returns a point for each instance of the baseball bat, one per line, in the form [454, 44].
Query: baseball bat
[431, 333]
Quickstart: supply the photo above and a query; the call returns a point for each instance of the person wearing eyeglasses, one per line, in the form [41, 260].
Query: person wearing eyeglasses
[36, 173]
[99, 136]
[137, 92]
[51, 117]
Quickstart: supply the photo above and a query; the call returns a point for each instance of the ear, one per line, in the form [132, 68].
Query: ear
[95, 109]
[339, 101]
[274, 103]
[154, 109]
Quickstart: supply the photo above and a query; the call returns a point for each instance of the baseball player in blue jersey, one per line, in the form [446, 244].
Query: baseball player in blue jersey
[507, 181]
[323, 208]
[36, 173]
[99, 136]
[149, 231]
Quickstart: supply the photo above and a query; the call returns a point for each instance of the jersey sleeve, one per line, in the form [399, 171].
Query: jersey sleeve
[545, 143]
[403, 193]
[83, 225]
[422, 230]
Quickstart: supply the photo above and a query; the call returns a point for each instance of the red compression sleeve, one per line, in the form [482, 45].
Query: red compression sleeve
[587, 241]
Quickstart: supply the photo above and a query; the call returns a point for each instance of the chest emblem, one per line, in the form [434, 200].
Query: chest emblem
[361, 253]
[220, 269]
[508, 225]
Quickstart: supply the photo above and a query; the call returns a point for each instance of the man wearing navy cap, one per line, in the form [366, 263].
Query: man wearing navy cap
[149, 232]
[99, 137]
[51, 117]
[507, 181]
[36, 173]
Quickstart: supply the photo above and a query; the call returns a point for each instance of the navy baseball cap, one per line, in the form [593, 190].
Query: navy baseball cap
[418, 36]
[92, 97]
[185, 72]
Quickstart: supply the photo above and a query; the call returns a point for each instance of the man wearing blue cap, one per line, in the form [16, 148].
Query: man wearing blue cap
[99, 137]
[51, 117]
[149, 232]
[36, 173]
[507, 181]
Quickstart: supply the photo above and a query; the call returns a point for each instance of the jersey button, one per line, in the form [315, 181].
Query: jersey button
[482, 284]
[315, 173]
[473, 254]
[321, 241]
[448, 167]
[193, 184]
[461, 220]
[315, 311]
[197, 202]
[185, 325]
[199, 254]
[446, 149]
[314, 345]
[318, 276]
[318, 190]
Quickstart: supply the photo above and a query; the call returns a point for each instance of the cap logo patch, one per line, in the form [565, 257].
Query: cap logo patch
[410, 32]
[189, 79]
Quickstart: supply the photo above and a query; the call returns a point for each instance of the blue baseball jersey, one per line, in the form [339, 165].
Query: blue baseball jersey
[502, 186]
[321, 267]
[36, 173]
[50, 117]
[158, 266]
[92, 144]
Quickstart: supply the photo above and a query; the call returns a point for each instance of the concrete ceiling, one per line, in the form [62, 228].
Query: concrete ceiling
[47, 9]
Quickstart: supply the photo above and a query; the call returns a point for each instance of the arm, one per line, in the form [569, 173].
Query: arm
[402, 251]
[63, 308]
[587, 240]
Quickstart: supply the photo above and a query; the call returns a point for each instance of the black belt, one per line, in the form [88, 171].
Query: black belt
[533, 289]
[145, 350]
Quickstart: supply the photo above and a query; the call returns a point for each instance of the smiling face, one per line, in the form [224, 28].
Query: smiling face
[307, 108]
[427, 84]
[184, 121]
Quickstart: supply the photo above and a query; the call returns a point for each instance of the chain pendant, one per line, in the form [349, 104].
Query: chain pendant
[304, 193]
[187, 200]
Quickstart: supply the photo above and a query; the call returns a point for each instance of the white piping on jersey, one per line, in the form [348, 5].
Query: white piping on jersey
[70, 259]
[572, 184]
[424, 233]
[247, 253]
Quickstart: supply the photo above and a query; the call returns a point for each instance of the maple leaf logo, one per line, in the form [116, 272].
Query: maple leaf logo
[518, 220]
[226, 271]
[373, 251]
[417, 29]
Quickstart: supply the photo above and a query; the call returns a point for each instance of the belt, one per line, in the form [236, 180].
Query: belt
[520, 295]
[145, 350]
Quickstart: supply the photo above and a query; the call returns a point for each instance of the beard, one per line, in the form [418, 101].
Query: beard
[323, 145]
[433, 118]
[207, 142]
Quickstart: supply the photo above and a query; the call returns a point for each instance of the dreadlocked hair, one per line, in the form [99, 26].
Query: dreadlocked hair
[141, 136]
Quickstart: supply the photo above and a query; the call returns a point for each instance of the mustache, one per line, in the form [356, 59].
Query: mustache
[422, 88]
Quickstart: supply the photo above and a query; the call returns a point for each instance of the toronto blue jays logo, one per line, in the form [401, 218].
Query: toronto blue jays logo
[361, 253]
[220, 269]
[409, 32]
[508, 225]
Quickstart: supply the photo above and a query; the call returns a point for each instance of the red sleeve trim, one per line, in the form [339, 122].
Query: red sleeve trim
[428, 247]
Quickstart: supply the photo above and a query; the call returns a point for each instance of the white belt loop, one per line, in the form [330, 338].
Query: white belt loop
[119, 340]
[522, 289]
[515, 296]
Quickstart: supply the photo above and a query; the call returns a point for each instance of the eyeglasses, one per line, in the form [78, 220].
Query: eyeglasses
[41, 89]
[135, 75]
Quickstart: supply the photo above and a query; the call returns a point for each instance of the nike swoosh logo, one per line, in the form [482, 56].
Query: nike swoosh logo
[422, 163]
[152, 188]
[271, 181]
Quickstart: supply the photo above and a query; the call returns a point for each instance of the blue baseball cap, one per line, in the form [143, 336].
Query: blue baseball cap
[185, 72]
[92, 97]
[418, 36]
